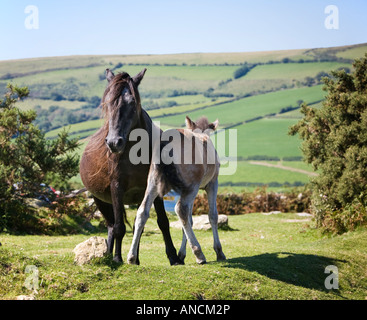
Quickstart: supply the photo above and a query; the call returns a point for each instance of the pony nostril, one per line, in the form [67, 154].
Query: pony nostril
[115, 144]
[120, 142]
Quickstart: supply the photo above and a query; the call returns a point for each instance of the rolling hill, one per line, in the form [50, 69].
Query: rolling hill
[260, 104]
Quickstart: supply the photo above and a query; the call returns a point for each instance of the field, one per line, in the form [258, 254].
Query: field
[268, 257]
[271, 257]
[260, 105]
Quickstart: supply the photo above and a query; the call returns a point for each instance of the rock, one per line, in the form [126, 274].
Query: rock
[271, 212]
[94, 247]
[304, 214]
[23, 297]
[202, 222]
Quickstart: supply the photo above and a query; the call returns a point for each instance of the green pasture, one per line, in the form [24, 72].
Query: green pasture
[268, 137]
[251, 107]
[246, 172]
[189, 80]
[352, 53]
[297, 71]
[276, 257]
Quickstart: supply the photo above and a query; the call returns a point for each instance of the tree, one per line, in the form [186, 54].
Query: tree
[27, 159]
[243, 70]
[335, 143]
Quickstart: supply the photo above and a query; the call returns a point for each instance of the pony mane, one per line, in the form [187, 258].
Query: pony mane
[114, 89]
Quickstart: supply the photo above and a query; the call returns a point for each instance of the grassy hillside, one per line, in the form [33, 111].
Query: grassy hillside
[268, 257]
[260, 105]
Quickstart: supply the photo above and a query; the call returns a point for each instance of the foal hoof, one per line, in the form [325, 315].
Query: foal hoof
[131, 259]
[198, 261]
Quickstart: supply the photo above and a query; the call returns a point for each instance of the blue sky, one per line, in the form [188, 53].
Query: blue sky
[157, 26]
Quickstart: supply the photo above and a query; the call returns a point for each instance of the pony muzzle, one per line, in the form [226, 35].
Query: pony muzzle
[116, 145]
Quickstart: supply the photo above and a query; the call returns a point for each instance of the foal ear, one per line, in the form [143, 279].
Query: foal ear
[109, 75]
[137, 79]
[190, 124]
[214, 125]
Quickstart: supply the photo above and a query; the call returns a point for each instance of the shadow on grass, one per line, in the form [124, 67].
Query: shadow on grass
[305, 270]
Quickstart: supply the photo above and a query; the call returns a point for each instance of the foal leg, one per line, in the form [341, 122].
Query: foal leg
[140, 220]
[163, 224]
[184, 211]
[211, 190]
[137, 261]
[182, 251]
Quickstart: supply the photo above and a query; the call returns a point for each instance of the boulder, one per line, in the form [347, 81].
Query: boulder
[94, 247]
[202, 222]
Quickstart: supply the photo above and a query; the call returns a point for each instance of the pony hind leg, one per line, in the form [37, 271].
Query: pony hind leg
[107, 211]
[211, 190]
[163, 224]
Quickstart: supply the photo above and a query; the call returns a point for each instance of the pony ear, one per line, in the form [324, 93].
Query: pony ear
[214, 125]
[109, 75]
[190, 124]
[137, 79]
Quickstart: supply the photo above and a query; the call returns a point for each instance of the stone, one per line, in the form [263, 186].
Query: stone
[304, 214]
[24, 297]
[94, 247]
[271, 212]
[202, 222]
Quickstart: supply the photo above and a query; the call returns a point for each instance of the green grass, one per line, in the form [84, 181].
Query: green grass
[251, 107]
[252, 173]
[268, 257]
[29, 103]
[353, 53]
[268, 137]
[79, 76]
[77, 127]
[297, 71]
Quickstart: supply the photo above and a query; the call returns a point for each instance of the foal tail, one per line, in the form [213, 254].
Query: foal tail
[168, 176]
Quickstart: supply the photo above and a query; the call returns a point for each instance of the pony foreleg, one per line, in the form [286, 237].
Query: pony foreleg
[119, 228]
[163, 224]
[140, 220]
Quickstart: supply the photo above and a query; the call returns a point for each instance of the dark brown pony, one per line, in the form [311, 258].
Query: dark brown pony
[106, 169]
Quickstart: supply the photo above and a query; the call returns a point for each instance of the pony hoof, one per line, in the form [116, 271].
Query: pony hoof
[221, 257]
[117, 259]
[178, 263]
[201, 261]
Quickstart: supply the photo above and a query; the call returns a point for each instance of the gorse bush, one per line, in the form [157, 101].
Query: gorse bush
[297, 200]
[335, 143]
[27, 159]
